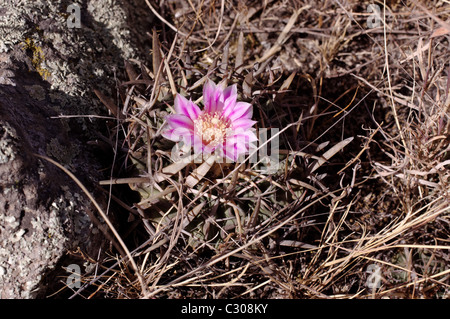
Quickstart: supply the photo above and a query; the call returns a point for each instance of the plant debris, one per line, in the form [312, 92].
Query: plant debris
[358, 204]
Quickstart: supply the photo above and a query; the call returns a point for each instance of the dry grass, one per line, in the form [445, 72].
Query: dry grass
[363, 112]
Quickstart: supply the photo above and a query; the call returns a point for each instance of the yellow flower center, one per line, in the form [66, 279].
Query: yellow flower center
[212, 128]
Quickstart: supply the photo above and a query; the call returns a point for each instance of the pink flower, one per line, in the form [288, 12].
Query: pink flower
[223, 126]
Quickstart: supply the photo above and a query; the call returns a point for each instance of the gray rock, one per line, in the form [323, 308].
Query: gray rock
[48, 68]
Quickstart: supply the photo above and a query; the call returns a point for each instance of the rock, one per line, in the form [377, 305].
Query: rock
[47, 69]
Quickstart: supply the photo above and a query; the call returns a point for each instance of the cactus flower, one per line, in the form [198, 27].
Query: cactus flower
[223, 126]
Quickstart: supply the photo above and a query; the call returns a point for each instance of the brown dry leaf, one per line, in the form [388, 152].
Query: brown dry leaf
[156, 56]
[239, 54]
[440, 31]
[224, 65]
[285, 86]
[132, 75]
[145, 75]
[248, 84]
[109, 103]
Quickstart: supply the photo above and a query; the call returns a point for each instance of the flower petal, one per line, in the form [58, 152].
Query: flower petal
[246, 137]
[230, 91]
[239, 110]
[248, 114]
[212, 97]
[180, 121]
[233, 150]
[229, 104]
[207, 149]
[168, 134]
[229, 152]
[198, 144]
[229, 97]
[184, 107]
[243, 124]
[177, 134]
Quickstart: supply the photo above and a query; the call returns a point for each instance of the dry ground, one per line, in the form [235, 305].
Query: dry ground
[359, 207]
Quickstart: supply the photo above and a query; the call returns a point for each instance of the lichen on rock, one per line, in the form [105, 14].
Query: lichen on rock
[48, 69]
[7, 135]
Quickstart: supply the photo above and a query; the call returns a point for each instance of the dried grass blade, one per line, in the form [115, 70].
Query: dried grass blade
[177, 166]
[284, 35]
[127, 180]
[167, 67]
[285, 86]
[190, 216]
[143, 204]
[170, 25]
[331, 152]
[173, 88]
[200, 171]
[239, 54]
